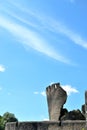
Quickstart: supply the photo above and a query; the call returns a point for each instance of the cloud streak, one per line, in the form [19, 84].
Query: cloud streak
[59, 27]
[54, 26]
[31, 39]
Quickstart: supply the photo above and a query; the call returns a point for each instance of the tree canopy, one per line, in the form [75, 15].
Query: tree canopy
[7, 117]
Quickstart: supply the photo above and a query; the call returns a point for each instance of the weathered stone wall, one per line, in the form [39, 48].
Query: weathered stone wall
[56, 98]
[48, 125]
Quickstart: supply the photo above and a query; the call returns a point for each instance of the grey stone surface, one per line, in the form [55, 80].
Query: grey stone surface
[48, 125]
[56, 98]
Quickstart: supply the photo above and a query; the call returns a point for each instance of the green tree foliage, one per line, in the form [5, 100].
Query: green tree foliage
[7, 117]
[1, 124]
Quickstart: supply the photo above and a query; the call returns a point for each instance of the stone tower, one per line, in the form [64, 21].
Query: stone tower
[56, 98]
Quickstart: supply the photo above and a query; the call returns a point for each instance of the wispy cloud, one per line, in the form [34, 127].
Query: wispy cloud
[31, 39]
[55, 26]
[69, 89]
[58, 27]
[2, 68]
[43, 93]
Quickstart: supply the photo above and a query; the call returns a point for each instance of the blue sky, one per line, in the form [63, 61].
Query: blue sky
[41, 42]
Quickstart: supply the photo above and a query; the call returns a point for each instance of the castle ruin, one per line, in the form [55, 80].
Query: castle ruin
[56, 98]
[59, 118]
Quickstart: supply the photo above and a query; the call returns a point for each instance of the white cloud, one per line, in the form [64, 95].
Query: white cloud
[43, 93]
[69, 89]
[31, 39]
[58, 27]
[45, 119]
[36, 93]
[43, 23]
[2, 68]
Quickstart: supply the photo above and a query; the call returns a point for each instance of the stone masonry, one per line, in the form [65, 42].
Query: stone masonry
[56, 98]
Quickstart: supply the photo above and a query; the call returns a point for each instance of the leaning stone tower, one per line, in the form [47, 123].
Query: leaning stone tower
[56, 98]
